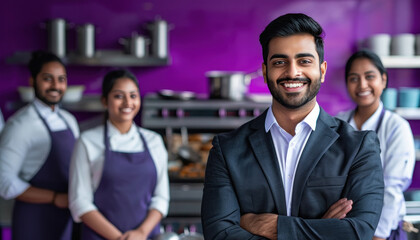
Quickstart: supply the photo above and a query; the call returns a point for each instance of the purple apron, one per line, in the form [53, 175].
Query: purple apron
[125, 191]
[46, 221]
[399, 233]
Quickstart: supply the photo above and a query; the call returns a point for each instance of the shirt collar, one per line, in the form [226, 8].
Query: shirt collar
[373, 121]
[113, 131]
[310, 119]
[45, 110]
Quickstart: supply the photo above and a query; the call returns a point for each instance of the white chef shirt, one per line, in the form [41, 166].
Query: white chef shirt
[398, 159]
[25, 144]
[289, 148]
[88, 161]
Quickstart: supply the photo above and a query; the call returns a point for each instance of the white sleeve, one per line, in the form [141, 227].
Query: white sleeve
[398, 165]
[160, 198]
[80, 183]
[14, 146]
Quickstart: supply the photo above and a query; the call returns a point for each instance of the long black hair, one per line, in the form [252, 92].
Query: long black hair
[372, 57]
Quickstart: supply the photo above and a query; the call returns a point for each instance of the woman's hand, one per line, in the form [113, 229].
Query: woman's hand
[136, 234]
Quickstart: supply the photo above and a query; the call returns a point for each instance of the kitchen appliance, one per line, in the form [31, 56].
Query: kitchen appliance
[86, 40]
[159, 34]
[56, 29]
[229, 85]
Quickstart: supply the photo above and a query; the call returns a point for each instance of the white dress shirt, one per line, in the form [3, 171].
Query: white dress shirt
[289, 148]
[398, 159]
[88, 161]
[25, 144]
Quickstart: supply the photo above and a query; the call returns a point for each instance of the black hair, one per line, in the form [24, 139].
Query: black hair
[109, 81]
[111, 78]
[290, 24]
[372, 57]
[38, 59]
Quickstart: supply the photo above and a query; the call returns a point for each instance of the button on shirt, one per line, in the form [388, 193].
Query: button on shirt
[289, 148]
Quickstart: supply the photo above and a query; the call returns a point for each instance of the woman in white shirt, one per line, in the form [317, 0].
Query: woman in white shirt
[366, 78]
[118, 173]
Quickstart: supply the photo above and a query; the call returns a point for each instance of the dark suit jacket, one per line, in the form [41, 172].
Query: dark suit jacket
[243, 176]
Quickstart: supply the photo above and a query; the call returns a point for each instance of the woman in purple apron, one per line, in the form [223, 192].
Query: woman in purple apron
[366, 78]
[33, 217]
[129, 186]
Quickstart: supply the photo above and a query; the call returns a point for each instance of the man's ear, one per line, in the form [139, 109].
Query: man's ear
[31, 81]
[323, 70]
[264, 71]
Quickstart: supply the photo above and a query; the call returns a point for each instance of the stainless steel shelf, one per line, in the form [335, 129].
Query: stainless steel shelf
[401, 61]
[199, 114]
[114, 58]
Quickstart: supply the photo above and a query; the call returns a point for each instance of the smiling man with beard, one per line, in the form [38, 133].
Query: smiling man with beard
[36, 146]
[294, 172]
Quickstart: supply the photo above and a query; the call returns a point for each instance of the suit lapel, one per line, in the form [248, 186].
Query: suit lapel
[263, 147]
[318, 143]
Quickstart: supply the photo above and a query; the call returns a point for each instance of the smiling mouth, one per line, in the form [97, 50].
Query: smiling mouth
[363, 94]
[126, 110]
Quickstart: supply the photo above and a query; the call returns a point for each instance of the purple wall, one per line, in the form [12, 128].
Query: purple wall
[206, 35]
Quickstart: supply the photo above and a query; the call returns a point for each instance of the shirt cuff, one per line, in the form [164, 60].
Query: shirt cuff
[78, 209]
[14, 189]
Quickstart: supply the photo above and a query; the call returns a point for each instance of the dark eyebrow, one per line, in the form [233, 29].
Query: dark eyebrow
[279, 56]
[368, 72]
[301, 55]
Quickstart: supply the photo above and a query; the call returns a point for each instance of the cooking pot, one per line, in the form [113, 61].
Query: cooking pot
[229, 85]
[86, 40]
[57, 36]
[136, 45]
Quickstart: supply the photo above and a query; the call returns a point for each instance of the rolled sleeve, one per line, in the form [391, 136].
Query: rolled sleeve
[80, 183]
[13, 148]
[160, 199]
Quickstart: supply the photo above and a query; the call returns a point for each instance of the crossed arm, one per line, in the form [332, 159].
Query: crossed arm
[265, 224]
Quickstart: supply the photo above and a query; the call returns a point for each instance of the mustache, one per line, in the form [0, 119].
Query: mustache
[54, 90]
[280, 80]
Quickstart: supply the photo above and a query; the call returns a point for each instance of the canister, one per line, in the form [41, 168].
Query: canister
[57, 36]
[86, 40]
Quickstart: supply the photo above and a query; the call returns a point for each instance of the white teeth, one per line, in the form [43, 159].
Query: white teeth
[363, 93]
[127, 110]
[293, 85]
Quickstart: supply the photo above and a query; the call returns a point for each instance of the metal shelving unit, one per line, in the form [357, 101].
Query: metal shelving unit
[113, 58]
[199, 114]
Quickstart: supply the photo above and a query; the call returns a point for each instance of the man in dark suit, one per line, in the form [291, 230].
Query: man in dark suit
[294, 172]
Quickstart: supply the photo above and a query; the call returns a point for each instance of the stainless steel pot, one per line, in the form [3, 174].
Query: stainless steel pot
[57, 36]
[137, 45]
[229, 85]
[86, 40]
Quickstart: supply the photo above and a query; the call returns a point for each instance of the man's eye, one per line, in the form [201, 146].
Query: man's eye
[279, 62]
[133, 96]
[306, 61]
[118, 96]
